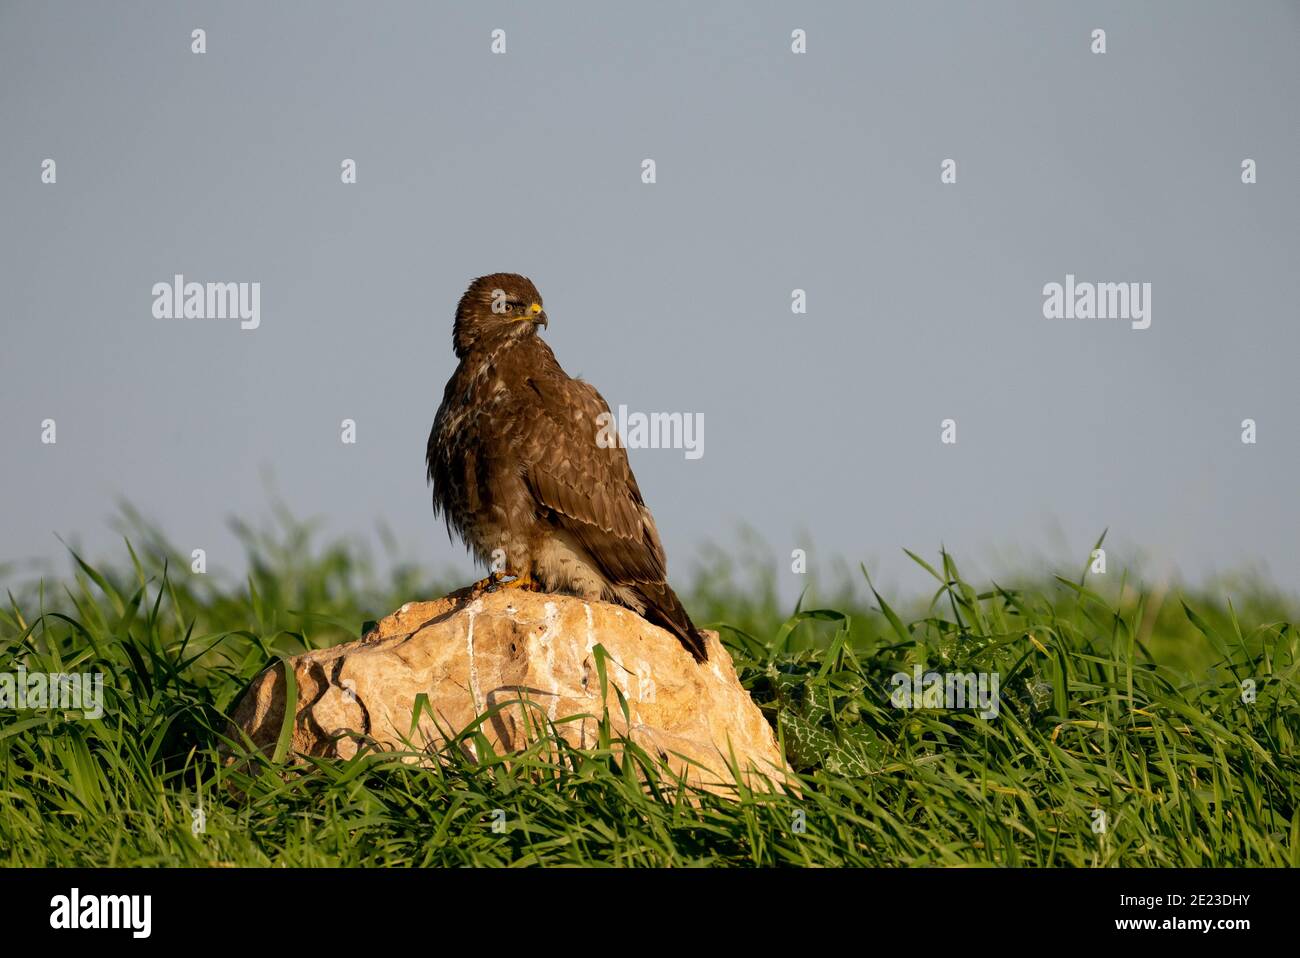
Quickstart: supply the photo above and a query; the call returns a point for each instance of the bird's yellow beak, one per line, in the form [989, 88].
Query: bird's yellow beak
[536, 315]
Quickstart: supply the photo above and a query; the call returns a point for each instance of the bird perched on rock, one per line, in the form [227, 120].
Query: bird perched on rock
[519, 472]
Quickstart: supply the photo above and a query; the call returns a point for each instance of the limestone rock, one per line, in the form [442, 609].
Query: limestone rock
[468, 654]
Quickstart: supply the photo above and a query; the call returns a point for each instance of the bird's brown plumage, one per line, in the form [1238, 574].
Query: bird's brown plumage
[518, 472]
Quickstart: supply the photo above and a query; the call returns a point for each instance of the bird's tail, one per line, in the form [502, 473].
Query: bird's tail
[663, 608]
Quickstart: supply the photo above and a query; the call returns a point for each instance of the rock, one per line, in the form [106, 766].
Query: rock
[468, 654]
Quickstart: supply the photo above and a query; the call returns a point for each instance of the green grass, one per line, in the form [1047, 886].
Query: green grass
[1116, 699]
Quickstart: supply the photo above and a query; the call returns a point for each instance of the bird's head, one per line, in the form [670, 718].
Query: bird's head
[499, 305]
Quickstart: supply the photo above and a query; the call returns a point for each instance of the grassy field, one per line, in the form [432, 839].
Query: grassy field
[1123, 736]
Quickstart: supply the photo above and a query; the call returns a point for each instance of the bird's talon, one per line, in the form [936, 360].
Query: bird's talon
[485, 584]
[524, 582]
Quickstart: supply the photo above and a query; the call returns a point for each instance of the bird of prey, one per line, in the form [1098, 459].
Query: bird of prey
[518, 471]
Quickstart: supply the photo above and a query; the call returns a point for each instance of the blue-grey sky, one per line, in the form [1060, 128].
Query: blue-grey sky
[775, 171]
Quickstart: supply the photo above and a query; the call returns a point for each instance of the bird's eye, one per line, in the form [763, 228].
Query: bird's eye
[509, 306]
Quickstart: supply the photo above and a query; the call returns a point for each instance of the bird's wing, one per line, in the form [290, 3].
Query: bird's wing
[589, 489]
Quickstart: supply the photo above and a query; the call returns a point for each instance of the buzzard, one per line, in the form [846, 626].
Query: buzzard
[518, 472]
